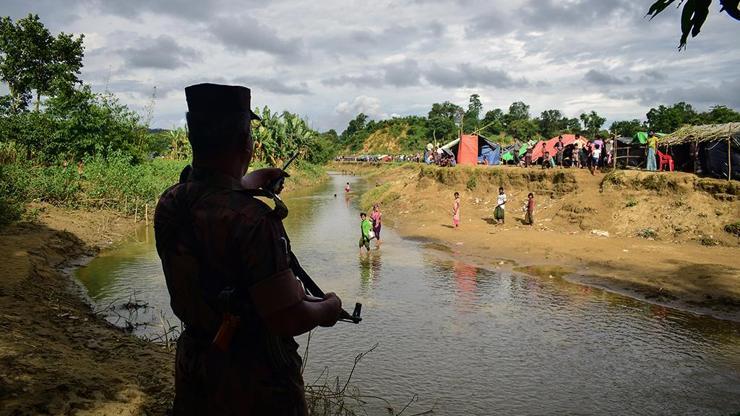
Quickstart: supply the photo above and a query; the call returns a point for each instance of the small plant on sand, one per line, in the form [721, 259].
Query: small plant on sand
[631, 203]
[733, 228]
[708, 240]
[647, 233]
[472, 183]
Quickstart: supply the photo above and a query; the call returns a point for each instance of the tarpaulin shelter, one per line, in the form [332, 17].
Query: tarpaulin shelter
[516, 152]
[470, 149]
[549, 145]
[712, 149]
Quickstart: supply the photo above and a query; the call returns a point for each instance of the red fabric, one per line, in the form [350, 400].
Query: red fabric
[539, 150]
[467, 151]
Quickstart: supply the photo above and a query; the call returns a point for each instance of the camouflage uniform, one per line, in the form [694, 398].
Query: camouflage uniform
[211, 234]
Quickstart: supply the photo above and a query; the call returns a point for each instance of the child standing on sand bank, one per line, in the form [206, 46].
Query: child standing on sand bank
[456, 211]
[365, 229]
[529, 216]
[499, 211]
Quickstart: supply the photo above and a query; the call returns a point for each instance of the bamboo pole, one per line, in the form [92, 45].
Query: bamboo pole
[146, 214]
[729, 154]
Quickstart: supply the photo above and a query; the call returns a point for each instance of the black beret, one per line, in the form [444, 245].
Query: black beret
[215, 98]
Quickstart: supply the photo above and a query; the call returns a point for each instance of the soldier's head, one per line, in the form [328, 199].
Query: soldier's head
[219, 124]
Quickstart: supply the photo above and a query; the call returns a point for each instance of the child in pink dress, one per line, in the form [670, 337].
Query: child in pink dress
[456, 211]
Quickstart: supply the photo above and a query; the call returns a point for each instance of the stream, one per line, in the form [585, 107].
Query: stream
[466, 340]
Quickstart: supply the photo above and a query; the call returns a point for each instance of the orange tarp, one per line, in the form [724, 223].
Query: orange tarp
[467, 151]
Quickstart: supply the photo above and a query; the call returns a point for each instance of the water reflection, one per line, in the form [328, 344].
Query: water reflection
[370, 265]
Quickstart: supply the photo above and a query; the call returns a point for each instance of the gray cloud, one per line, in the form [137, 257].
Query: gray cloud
[403, 74]
[162, 52]
[364, 42]
[274, 85]
[359, 80]
[248, 34]
[472, 75]
[597, 77]
[544, 14]
[704, 94]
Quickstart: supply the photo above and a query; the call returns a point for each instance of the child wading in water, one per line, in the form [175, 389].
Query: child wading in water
[529, 217]
[498, 213]
[365, 227]
[376, 216]
[456, 211]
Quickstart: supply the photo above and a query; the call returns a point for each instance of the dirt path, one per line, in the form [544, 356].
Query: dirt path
[56, 356]
[672, 268]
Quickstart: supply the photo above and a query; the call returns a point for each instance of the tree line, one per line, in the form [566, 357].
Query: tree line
[444, 122]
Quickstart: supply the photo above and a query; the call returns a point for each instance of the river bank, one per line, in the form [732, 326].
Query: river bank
[587, 228]
[56, 355]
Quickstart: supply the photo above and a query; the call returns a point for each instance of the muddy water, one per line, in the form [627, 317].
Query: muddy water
[464, 339]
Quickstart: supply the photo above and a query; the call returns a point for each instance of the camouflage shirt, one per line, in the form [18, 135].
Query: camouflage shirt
[211, 234]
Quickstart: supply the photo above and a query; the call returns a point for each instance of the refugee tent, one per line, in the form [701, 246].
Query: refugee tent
[514, 154]
[470, 149]
[549, 145]
[712, 149]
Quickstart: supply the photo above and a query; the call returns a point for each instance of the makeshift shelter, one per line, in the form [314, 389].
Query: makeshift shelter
[471, 149]
[712, 149]
[549, 146]
[629, 153]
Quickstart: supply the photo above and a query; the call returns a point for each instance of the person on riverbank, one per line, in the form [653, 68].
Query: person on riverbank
[652, 150]
[529, 216]
[456, 211]
[365, 229]
[377, 217]
[228, 266]
[500, 210]
[559, 149]
[547, 161]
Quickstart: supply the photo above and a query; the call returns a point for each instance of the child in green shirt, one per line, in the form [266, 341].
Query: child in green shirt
[365, 227]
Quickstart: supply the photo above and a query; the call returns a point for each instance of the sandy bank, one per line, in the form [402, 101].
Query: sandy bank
[56, 356]
[686, 261]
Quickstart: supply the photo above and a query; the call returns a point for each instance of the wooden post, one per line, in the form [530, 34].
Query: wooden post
[146, 214]
[729, 154]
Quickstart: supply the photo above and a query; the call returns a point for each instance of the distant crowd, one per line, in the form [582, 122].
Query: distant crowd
[582, 153]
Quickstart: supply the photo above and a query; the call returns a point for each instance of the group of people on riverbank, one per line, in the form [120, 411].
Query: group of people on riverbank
[499, 211]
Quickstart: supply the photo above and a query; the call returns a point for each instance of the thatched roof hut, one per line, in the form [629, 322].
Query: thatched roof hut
[711, 149]
[701, 134]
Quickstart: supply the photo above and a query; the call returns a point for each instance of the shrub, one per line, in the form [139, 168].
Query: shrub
[733, 228]
[631, 203]
[472, 183]
[648, 233]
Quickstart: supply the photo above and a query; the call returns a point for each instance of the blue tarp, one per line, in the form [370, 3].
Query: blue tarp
[490, 154]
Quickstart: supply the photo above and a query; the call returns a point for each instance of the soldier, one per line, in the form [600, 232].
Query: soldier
[227, 262]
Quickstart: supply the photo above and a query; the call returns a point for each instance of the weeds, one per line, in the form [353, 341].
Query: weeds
[647, 233]
[631, 203]
[733, 228]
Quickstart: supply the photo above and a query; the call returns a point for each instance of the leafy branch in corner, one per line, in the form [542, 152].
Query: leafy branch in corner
[694, 14]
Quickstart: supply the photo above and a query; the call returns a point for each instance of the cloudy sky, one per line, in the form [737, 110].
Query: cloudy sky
[330, 59]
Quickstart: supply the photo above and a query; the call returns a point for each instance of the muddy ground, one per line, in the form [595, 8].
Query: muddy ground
[657, 237]
[56, 356]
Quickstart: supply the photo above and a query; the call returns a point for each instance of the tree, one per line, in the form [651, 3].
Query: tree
[522, 129]
[31, 59]
[551, 123]
[471, 120]
[592, 122]
[669, 119]
[493, 122]
[517, 111]
[694, 14]
[441, 120]
[627, 128]
[720, 114]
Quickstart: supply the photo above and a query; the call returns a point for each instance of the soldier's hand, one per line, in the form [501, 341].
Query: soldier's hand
[262, 178]
[334, 309]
